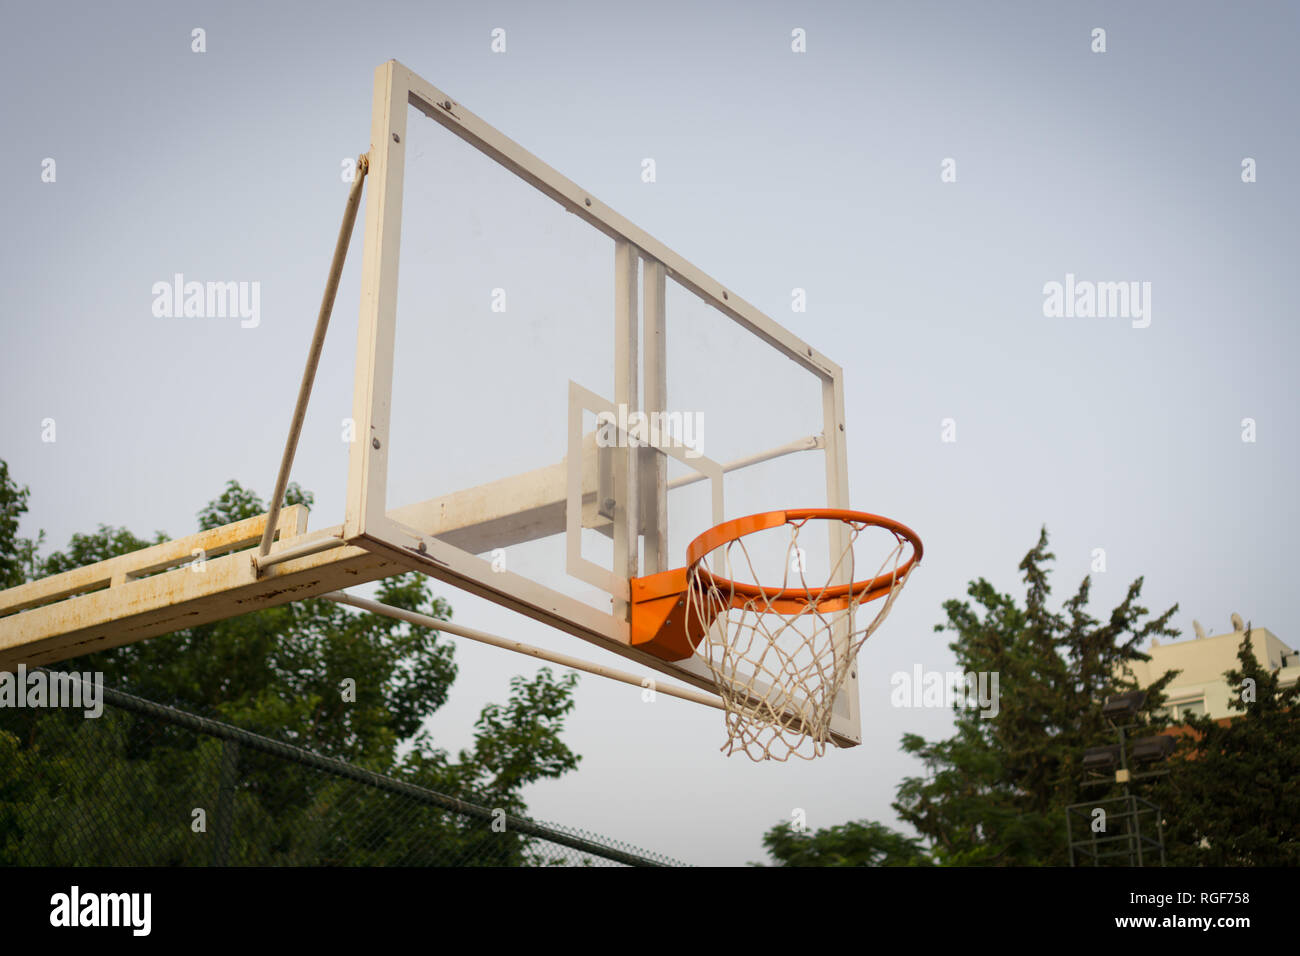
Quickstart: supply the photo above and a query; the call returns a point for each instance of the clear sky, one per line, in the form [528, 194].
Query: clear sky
[775, 170]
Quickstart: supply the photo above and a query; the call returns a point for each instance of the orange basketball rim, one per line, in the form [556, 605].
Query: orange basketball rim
[661, 624]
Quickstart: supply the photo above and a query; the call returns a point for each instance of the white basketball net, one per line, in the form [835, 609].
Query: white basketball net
[778, 672]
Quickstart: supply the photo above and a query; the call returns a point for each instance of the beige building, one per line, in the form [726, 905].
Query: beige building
[1200, 688]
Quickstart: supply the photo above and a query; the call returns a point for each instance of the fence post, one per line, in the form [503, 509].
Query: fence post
[225, 803]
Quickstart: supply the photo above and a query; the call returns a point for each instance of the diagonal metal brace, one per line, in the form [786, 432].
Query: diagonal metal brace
[313, 358]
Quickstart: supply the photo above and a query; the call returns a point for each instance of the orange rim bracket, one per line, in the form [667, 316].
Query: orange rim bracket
[659, 616]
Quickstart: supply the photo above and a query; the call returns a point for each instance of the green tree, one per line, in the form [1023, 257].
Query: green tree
[280, 672]
[995, 792]
[18, 555]
[1234, 797]
[859, 843]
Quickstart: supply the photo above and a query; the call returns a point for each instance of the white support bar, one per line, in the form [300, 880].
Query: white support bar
[847, 705]
[564, 660]
[811, 443]
[652, 468]
[263, 561]
[627, 512]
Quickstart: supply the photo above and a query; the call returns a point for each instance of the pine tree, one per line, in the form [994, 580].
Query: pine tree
[995, 792]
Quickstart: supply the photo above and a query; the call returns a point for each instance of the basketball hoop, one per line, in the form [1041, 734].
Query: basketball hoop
[778, 655]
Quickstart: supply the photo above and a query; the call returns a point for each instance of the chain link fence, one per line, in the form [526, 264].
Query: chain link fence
[150, 785]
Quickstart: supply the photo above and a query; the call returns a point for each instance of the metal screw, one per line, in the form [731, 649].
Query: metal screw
[446, 104]
[374, 443]
[422, 547]
[396, 138]
[587, 201]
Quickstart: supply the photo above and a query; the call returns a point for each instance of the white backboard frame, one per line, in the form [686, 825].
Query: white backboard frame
[368, 523]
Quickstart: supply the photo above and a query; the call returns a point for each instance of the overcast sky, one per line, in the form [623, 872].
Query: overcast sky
[775, 170]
